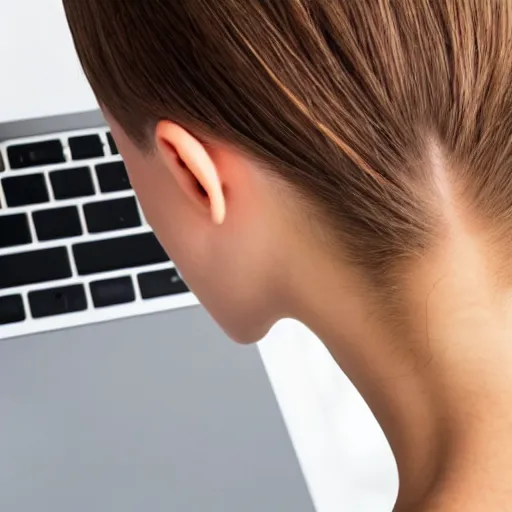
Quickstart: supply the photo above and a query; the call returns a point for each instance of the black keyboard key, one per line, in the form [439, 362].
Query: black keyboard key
[72, 183]
[34, 267]
[14, 230]
[161, 283]
[112, 292]
[36, 153]
[112, 144]
[118, 253]
[112, 215]
[11, 310]
[57, 223]
[112, 177]
[86, 146]
[25, 190]
[57, 301]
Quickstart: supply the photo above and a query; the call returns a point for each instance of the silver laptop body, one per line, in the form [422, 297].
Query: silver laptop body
[137, 405]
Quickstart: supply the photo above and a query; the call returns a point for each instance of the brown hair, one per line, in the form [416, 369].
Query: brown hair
[344, 99]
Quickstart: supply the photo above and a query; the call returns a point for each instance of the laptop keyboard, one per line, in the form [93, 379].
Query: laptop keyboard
[74, 245]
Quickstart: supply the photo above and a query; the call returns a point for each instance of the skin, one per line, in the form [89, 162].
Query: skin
[441, 387]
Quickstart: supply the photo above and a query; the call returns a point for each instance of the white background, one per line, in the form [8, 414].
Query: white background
[345, 457]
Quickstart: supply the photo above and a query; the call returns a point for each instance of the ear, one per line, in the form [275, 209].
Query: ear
[192, 167]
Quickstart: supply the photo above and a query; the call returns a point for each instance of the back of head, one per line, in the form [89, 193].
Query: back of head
[381, 114]
[361, 154]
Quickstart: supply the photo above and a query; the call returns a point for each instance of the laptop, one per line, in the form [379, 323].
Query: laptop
[117, 391]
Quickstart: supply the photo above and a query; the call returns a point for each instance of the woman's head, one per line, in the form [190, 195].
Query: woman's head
[259, 132]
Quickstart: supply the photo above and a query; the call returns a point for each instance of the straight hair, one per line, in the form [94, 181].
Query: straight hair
[353, 103]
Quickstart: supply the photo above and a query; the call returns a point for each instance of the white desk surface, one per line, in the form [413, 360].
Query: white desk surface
[344, 455]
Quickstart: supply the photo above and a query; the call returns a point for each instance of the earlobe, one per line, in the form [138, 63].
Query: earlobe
[192, 166]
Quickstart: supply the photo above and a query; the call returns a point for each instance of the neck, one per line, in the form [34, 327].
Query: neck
[440, 384]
